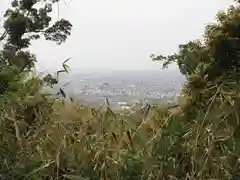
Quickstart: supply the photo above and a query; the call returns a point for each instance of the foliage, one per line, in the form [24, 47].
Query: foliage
[42, 138]
[79, 143]
[23, 105]
[25, 21]
[212, 63]
[216, 56]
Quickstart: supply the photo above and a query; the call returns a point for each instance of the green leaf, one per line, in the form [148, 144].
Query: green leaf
[66, 68]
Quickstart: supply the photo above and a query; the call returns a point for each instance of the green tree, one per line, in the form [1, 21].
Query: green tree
[212, 60]
[25, 21]
[23, 105]
[217, 54]
[211, 66]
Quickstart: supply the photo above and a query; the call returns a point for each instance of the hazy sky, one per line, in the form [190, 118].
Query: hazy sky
[121, 34]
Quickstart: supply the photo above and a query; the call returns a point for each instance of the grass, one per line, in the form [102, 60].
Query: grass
[42, 138]
[152, 142]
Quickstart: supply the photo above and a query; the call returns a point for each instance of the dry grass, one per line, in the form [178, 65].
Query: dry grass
[151, 143]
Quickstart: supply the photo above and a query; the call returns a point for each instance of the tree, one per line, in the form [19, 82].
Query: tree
[21, 96]
[218, 52]
[212, 93]
[25, 21]
[212, 70]
[213, 60]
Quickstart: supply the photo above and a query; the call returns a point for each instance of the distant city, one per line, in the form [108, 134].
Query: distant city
[123, 87]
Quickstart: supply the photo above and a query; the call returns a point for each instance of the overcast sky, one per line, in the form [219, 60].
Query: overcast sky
[121, 34]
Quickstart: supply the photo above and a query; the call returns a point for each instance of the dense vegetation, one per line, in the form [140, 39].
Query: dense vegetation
[43, 138]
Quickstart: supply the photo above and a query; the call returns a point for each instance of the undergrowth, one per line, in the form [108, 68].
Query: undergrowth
[76, 142]
[46, 137]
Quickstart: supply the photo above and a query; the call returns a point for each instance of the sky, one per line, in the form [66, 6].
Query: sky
[121, 34]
